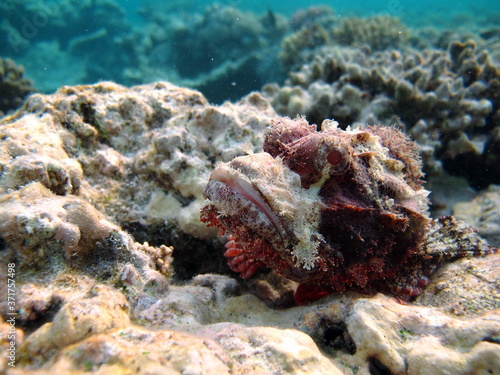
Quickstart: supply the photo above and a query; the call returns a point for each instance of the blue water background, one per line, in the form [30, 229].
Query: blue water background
[412, 13]
[51, 64]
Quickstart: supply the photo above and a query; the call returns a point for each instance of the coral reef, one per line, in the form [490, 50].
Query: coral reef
[84, 164]
[221, 50]
[301, 45]
[142, 156]
[239, 334]
[340, 210]
[65, 20]
[446, 100]
[14, 87]
[377, 33]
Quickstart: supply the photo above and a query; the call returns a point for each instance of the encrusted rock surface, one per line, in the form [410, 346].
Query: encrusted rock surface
[81, 165]
[140, 155]
[342, 334]
[465, 288]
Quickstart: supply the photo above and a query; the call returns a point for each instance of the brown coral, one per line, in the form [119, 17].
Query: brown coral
[14, 87]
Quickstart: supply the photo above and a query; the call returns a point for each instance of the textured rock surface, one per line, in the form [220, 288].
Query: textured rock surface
[80, 165]
[466, 287]
[140, 155]
[483, 212]
[342, 334]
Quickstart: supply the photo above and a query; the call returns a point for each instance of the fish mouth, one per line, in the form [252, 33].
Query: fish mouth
[246, 190]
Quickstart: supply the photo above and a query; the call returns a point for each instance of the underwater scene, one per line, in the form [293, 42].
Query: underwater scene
[249, 187]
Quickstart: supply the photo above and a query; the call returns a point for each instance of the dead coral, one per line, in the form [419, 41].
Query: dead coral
[60, 176]
[140, 155]
[35, 223]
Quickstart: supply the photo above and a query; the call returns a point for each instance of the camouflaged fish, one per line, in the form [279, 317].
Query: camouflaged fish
[334, 210]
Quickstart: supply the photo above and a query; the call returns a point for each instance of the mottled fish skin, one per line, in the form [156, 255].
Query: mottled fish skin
[334, 209]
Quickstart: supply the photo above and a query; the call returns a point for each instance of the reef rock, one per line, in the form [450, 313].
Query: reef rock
[466, 287]
[378, 335]
[90, 171]
[483, 212]
[140, 155]
[342, 334]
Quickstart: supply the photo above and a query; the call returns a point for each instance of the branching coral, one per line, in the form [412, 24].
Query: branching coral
[447, 100]
[378, 33]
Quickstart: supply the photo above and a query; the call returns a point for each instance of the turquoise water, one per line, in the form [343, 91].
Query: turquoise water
[414, 13]
[63, 42]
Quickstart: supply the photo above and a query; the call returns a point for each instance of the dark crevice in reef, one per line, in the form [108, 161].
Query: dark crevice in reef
[467, 165]
[3, 244]
[188, 250]
[377, 368]
[39, 318]
[333, 336]
[492, 339]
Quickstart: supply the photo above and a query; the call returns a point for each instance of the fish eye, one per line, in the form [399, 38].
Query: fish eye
[334, 157]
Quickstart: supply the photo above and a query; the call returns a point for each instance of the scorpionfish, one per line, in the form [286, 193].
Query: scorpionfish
[334, 210]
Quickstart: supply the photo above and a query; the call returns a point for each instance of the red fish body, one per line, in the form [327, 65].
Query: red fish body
[334, 210]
